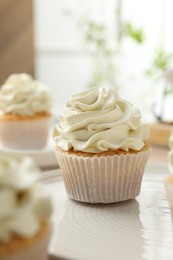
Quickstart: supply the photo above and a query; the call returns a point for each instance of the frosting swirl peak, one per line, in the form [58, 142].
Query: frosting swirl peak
[22, 95]
[98, 120]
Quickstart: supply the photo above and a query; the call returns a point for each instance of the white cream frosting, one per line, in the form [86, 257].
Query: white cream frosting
[98, 120]
[22, 95]
[23, 200]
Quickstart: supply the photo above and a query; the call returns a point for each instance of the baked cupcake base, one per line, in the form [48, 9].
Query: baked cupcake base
[25, 132]
[27, 249]
[106, 177]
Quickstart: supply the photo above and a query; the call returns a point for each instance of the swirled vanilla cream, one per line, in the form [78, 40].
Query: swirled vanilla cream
[22, 95]
[23, 201]
[98, 120]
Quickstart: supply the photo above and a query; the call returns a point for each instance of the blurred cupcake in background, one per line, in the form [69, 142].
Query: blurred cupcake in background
[25, 115]
[25, 209]
[101, 147]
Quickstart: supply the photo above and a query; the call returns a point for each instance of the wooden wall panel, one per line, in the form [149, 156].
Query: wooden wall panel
[16, 38]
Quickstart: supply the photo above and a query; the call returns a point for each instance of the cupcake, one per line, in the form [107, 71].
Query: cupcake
[24, 210]
[100, 144]
[25, 115]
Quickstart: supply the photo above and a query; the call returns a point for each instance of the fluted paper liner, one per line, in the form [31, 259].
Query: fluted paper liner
[37, 251]
[25, 134]
[104, 179]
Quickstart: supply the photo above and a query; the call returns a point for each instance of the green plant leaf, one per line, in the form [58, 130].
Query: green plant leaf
[137, 34]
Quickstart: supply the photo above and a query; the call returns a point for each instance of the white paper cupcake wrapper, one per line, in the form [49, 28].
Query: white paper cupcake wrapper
[103, 179]
[25, 134]
[37, 251]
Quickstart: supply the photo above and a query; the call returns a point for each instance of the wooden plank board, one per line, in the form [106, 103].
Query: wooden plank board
[16, 38]
[160, 133]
